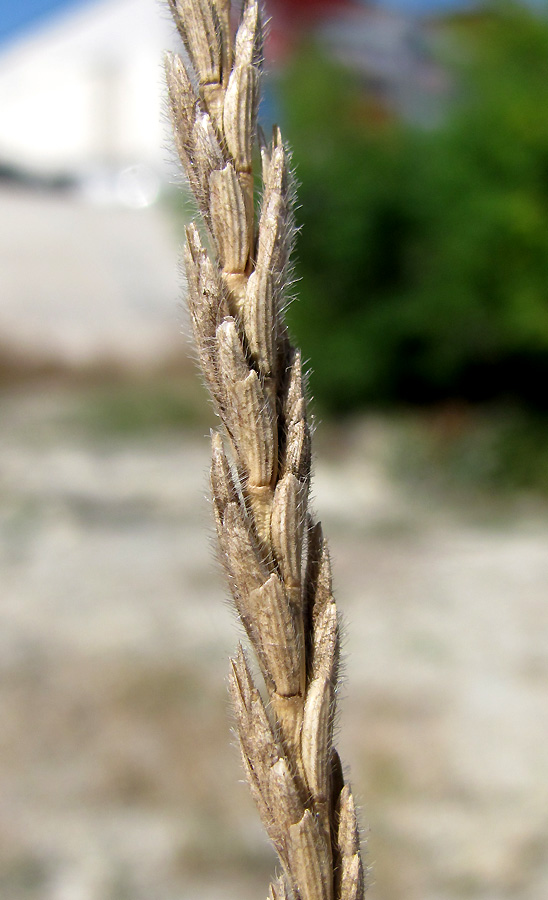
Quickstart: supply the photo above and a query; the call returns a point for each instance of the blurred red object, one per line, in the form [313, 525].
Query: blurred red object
[290, 19]
[302, 10]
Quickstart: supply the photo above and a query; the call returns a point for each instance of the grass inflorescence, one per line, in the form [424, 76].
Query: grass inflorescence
[272, 548]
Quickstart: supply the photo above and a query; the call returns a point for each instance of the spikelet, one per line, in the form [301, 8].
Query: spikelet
[274, 554]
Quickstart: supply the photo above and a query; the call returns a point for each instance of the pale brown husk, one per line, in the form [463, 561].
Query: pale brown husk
[274, 554]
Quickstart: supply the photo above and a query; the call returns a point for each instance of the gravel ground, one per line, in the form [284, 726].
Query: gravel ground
[117, 774]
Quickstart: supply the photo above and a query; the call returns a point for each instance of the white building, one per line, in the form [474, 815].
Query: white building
[87, 284]
[84, 90]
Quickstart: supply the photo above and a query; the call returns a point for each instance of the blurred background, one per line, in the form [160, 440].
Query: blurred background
[419, 131]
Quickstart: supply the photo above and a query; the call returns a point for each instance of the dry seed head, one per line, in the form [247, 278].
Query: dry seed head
[243, 558]
[206, 296]
[248, 45]
[258, 435]
[239, 113]
[287, 530]
[255, 732]
[294, 402]
[275, 231]
[311, 875]
[278, 891]
[206, 151]
[274, 554]
[316, 737]
[351, 878]
[232, 362]
[297, 451]
[285, 802]
[259, 321]
[277, 636]
[229, 220]
[196, 25]
[223, 488]
[348, 836]
[325, 643]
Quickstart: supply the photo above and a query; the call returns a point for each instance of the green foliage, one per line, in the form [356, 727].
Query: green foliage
[423, 257]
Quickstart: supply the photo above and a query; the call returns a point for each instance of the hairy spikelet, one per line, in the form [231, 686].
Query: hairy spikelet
[275, 556]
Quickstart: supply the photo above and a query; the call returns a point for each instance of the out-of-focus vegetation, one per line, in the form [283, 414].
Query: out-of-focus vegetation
[140, 407]
[423, 256]
[459, 451]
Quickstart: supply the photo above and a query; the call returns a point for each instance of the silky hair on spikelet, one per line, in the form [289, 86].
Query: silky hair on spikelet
[272, 549]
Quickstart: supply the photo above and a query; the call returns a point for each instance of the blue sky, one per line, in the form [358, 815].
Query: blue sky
[17, 15]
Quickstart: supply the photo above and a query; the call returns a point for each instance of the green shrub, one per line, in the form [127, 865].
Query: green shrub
[424, 253]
